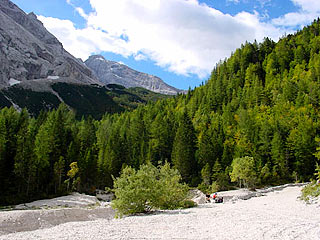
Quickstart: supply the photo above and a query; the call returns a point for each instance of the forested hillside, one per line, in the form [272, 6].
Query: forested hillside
[259, 109]
[84, 100]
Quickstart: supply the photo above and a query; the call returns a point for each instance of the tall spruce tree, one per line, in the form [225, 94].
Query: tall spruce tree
[183, 153]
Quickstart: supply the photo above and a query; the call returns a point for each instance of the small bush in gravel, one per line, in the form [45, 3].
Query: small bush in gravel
[310, 191]
[147, 189]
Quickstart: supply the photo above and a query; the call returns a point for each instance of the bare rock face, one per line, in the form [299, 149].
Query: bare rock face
[37, 73]
[109, 72]
[28, 51]
[197, 196]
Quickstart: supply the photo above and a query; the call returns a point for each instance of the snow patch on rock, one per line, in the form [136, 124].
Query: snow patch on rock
[100, 59]
[13, 81]
[53, 77]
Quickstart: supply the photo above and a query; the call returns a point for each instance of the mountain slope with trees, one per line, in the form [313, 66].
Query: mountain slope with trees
[260, 108]
[84, 100]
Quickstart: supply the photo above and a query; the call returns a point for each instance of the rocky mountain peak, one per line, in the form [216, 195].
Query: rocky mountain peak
[97, 57]
[34, 16]
[28, 22]
[28, 51]
[110, 72]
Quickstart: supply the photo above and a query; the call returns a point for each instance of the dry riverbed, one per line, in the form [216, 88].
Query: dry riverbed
[275, 214]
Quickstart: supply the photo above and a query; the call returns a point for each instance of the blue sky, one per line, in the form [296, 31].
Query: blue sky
[179, 41]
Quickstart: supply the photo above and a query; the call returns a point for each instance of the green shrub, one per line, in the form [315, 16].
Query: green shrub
[148, 188]
[205, 188]
[170, 192]
[310, 191]
[317, 173]
[214, 187]
[188, 204]
[243, 170]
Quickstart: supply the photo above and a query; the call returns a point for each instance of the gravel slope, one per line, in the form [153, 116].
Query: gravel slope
[278, 215]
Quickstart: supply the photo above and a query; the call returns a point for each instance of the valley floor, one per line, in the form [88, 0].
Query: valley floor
[277, 215]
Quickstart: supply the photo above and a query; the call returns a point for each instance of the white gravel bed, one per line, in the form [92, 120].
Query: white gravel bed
[277, 215]
[72, 200]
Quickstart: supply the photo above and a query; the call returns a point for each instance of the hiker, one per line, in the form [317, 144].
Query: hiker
[207, 198]
[214, 196]
[216, 199]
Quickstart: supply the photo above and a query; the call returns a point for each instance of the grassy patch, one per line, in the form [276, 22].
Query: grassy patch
[310, 191]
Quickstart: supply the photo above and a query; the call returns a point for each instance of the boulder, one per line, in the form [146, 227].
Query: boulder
[197, 196]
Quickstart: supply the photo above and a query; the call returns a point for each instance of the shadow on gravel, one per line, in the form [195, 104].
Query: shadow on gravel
[29, 220]
[162, 212]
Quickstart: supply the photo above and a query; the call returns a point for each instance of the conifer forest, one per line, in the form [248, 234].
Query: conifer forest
[260, 109]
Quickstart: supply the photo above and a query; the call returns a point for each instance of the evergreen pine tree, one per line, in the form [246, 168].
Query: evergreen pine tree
[183, 153]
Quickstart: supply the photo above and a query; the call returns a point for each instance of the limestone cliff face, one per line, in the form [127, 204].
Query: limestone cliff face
[37, 73]
[28, 51]
[109, 72]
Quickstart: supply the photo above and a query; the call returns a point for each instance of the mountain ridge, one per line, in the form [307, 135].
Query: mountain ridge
[110, 72]
[35, 67]
[29, 51]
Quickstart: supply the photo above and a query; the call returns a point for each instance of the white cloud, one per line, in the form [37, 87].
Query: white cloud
[190, 40]
[234, 1]
[83, 42]
[81, 13]
[182, 36]
[309, 10]
[312, 6]
[139, 57]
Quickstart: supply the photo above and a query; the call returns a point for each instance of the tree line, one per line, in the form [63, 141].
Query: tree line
[259, 108]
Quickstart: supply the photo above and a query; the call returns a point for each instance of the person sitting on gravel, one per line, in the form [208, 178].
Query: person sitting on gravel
[217, 199]
[207, 198]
